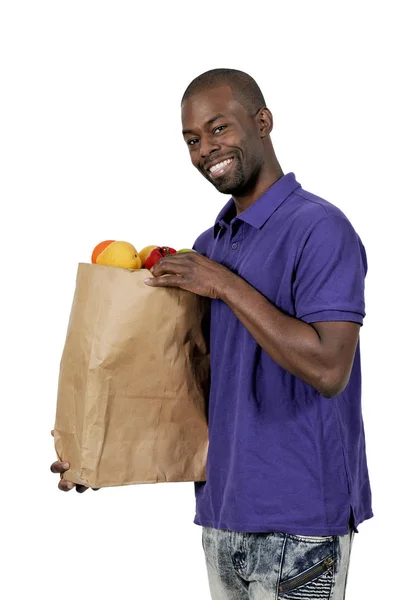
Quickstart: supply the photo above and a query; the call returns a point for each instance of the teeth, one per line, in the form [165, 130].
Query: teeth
[220, 165]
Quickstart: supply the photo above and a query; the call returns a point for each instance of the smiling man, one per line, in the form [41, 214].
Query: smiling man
[287, 480]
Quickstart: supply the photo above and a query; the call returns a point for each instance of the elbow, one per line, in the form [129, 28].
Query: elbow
[332, 383]
[331, 392]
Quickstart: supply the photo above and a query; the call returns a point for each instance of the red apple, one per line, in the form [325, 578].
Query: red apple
[157, 254]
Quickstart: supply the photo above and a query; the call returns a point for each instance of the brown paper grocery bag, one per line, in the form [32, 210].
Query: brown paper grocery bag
[133, 383]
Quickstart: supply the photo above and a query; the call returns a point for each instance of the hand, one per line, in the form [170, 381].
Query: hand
[62, 466]
[193, 272]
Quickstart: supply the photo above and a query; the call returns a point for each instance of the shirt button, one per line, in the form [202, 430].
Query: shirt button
[234, 246]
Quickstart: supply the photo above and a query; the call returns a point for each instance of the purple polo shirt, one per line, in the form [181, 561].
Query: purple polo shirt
[282, 457]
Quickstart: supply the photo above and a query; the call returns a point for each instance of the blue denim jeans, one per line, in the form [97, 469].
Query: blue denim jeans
[276, 566]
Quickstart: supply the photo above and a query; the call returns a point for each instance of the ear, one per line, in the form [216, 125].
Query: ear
[264, 121]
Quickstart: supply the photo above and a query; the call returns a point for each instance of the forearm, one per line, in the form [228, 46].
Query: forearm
[293, 344]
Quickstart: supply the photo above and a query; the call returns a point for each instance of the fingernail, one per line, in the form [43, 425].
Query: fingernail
[65, 465]
[69, 485]
[147, 280]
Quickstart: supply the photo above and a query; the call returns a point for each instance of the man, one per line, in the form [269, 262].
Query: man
[287, 481]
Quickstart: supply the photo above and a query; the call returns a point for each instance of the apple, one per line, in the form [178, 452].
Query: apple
[145, 252]
[156, 254]
[186, 250]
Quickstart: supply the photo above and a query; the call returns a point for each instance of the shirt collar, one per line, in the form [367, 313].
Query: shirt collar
[260, 211]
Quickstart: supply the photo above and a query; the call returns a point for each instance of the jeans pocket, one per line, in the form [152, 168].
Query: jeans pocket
[315, 583]
[312, 538]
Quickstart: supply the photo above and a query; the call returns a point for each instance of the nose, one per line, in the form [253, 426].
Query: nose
[208, 145]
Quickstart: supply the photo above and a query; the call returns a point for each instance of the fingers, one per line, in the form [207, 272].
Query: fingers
[59, 467]
[164, 281]
[171, 270]
[65, 486]
[81, 488]
[170, 264]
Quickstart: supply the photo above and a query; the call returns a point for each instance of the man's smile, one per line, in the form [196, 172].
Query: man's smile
[220, 168]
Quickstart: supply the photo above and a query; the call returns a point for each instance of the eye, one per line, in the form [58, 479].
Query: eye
[219, 128]
[192, 142]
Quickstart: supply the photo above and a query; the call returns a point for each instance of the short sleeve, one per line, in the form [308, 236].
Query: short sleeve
[330, 274]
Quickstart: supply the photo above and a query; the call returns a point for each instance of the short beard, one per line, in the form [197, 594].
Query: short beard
[230, 184]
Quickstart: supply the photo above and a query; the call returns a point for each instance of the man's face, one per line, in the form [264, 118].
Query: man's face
[223, 139]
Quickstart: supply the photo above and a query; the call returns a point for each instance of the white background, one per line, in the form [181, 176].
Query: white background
[91, 149]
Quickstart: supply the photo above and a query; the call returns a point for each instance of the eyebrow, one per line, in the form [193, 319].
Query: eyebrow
[209, 122]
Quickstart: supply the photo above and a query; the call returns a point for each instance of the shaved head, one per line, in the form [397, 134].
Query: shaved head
[243, 86]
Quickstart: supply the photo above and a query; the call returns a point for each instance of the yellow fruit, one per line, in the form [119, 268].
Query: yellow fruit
[119, 254]
[143, 254]
[100, 248]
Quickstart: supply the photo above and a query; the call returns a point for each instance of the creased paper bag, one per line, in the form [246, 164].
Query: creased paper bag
[133, 382]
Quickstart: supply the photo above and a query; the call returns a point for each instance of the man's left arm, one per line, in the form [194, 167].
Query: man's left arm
[318, 344]
[321, 354]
